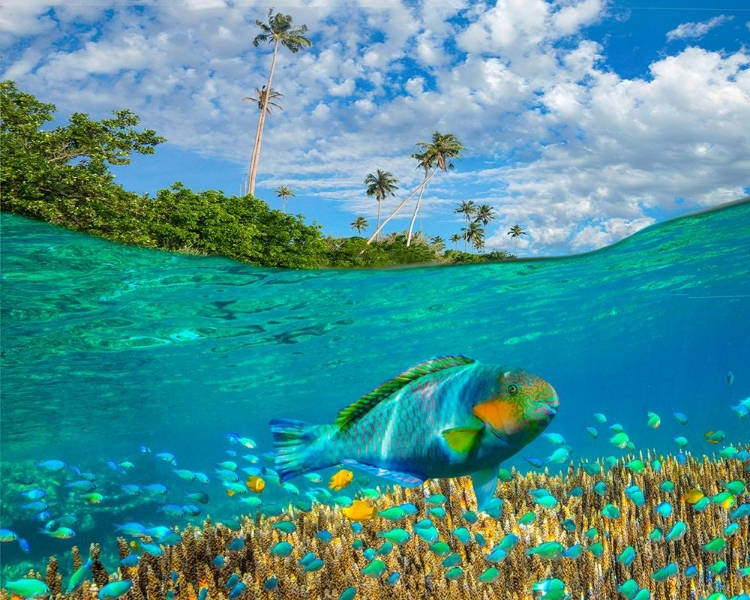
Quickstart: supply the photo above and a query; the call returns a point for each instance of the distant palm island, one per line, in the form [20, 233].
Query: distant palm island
[62, 176]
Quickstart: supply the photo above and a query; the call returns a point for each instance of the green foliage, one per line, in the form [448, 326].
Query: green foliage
[61, 175]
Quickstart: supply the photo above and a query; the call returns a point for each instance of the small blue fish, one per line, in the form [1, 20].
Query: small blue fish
[576, 492]
[237, 591]
[35, 494]
[131, 489]
[691, 571]
[218, 561]
[131, 560]
[25, 548]
[393, 578]
[270, 583]
[681, 418]
[462, 535]
[52, 465]
[664, 509]
[573, 552]
[600, 488]
[324, 536]
[236, 544]
[593, 433]
[115, 589]
[535, 462]
[232, 581]
[627, 556]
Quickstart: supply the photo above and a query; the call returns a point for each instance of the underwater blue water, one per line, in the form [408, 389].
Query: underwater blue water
[107, 348]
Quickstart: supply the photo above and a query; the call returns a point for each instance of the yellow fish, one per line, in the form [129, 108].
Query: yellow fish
[256, 484]
[714, 437]
[340, 480]
[360, 510]
[693, 496]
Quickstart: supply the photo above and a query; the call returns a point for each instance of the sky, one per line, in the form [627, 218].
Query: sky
[583, 121]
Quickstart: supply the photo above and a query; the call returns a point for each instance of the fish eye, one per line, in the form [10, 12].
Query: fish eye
[512, 389]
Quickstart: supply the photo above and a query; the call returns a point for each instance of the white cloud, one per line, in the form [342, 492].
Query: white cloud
[696, 30]
[555, 139]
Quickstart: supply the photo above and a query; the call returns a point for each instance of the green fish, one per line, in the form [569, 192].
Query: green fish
[628, 589]
[596, 549]
[452, 560]
[79, 577]
[666, 486]
[440, 548]
[282, 549]
[527, 518]
[715, 546]
[611, 511]
[677, 532]
[592, 534]
[620, 440]
[436, 500]
[735, 487]
[285, 526]
[718, 568]
[392, 514]
[454, 573]
[548, 550]
[636, 466]
[446, 417]
[666, 572]
[28, 588]
[397, 535]
[489, 575]
[375, 569]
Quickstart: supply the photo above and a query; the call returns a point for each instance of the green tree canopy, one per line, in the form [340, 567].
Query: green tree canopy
[61, 174]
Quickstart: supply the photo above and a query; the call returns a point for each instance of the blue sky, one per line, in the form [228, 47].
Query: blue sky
[583, 120]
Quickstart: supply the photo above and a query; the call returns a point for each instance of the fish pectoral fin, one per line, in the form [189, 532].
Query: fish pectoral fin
[403, 479]
[463, 439]
[485, 484]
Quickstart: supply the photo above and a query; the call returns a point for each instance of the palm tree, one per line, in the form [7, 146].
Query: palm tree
[468, 209]
[474, 234]
[265, 100]
[284, 193]
[438, 243]
[437, 155]
[359, 224]
[515, 232]
[455, 238]
[380, 185]
[485, 213]
[279, 30]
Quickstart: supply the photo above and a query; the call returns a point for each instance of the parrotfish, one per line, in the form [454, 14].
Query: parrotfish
[446, 417]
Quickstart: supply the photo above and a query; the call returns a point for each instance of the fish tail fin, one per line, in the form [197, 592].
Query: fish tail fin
[299, 447]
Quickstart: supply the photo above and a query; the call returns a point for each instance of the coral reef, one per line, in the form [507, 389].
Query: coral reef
[190, 570]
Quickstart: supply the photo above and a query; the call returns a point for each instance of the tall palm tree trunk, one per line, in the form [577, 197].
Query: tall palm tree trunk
[380, 200]
[261, 124]
[398, 208]
[416, 210]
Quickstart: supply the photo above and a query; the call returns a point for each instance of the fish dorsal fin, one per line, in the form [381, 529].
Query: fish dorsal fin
[352, 413]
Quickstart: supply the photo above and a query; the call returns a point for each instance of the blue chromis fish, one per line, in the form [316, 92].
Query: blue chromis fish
[446, 417]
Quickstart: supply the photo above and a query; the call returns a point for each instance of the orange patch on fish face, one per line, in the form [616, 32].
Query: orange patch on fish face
[498, 415]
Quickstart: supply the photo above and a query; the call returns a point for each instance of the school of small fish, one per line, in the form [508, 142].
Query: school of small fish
[453, 534]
